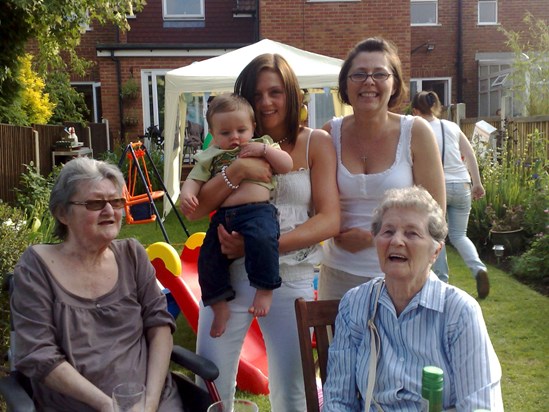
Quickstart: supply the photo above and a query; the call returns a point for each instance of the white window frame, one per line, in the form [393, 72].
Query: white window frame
[500, 80]
[434, 2]
[492, 3]
[198, 16]
[496, 78]
[94, 86]
[447, 87]
[146, 97]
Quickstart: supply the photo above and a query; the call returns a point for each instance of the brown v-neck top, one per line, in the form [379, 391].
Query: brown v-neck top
[103, 338]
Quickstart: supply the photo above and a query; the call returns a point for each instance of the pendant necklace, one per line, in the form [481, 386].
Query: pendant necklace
[363, 157]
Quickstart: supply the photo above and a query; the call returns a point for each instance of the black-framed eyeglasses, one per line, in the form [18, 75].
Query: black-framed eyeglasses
[100, 204]
[361, 77]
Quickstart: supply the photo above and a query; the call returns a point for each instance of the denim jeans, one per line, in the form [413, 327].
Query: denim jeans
[458, 207]
[258, 225]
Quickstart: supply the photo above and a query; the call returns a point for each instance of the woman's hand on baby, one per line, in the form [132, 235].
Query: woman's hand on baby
[252, 168]
[354, 239]
[232, 244]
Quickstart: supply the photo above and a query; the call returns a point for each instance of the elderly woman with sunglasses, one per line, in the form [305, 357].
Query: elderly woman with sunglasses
[87, 311]
[388, 330]
[377, 149]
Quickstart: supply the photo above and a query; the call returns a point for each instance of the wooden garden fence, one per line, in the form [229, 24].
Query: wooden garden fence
[20, 145]
[519, 128]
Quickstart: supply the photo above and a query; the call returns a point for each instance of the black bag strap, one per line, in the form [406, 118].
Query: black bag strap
[443, 141]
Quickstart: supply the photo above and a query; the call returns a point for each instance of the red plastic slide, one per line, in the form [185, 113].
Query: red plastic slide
[180, 276]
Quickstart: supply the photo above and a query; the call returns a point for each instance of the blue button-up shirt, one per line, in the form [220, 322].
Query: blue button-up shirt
[441, 326]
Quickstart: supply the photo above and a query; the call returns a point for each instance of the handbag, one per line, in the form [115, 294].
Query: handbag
[443, 142]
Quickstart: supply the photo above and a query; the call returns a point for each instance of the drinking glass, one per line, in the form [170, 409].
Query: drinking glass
[237, 405]
[129, 397]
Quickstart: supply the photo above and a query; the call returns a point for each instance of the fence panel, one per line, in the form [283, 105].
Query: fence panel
[47, 135]
[99, 136]
[17, 148]
[518, 129]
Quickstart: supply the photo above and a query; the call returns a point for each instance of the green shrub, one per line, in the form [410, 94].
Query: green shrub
[516, 191]
[32, 197]
[14, 239]
[533, 265]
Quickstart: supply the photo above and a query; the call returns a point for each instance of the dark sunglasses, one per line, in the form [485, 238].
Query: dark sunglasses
[100, 204]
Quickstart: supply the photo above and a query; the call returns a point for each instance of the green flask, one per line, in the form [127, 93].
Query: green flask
[431, 389]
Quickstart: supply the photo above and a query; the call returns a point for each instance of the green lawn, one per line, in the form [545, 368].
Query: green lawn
[516, 316]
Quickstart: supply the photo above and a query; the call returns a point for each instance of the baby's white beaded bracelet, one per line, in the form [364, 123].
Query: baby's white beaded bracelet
[226, 179]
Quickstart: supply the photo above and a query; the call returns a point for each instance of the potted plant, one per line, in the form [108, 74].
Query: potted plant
[129, 89]
[130, 118]
[506, 226]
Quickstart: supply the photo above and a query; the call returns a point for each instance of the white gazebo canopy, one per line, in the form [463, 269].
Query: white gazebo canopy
[219, 74]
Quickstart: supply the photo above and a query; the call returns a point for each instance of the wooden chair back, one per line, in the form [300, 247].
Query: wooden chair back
[320, 316]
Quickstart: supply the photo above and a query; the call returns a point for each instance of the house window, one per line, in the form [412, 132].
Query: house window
[153, 87]
[493, 85]
[183, 9]
[423, 12]
[487, 12]
[441, 86]
[92, 98]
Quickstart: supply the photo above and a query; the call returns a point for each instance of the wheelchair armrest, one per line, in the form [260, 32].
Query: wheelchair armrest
[197, 364]
[17, 399]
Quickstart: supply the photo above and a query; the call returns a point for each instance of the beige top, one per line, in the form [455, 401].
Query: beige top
[103, 338]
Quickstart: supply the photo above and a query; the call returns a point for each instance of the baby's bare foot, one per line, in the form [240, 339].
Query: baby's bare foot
[262, 303]
[221, 316]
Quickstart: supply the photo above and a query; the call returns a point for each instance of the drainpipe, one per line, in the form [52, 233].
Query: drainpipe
[116, 60]
[256, 28]
[459, 55]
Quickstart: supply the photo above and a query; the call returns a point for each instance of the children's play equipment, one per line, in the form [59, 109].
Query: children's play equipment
[140, 207]
[180, 276]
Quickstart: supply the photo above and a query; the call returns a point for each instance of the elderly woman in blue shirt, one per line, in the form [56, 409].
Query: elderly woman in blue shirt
[410, 320]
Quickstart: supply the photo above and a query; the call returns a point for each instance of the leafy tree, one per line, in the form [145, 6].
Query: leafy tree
[530, 76]
[70, 104]
[56, 26]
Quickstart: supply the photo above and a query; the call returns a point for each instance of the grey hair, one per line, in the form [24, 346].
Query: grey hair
[68, 183]
[415, 197]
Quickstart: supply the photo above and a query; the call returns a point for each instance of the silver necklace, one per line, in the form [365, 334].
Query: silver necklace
[282, 140]
[363, 157]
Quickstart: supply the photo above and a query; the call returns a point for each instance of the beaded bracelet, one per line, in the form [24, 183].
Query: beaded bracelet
[226, 179]
[264, 150]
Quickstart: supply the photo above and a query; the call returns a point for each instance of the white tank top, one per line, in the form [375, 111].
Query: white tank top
[360, 194]
[455, 170]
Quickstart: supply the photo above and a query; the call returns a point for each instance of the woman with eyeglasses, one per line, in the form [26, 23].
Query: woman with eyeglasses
[388, 330]
[87, 311]
[377, 149]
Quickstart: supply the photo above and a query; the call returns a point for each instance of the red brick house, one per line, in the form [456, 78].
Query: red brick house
[451, 46]
[458, 51]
